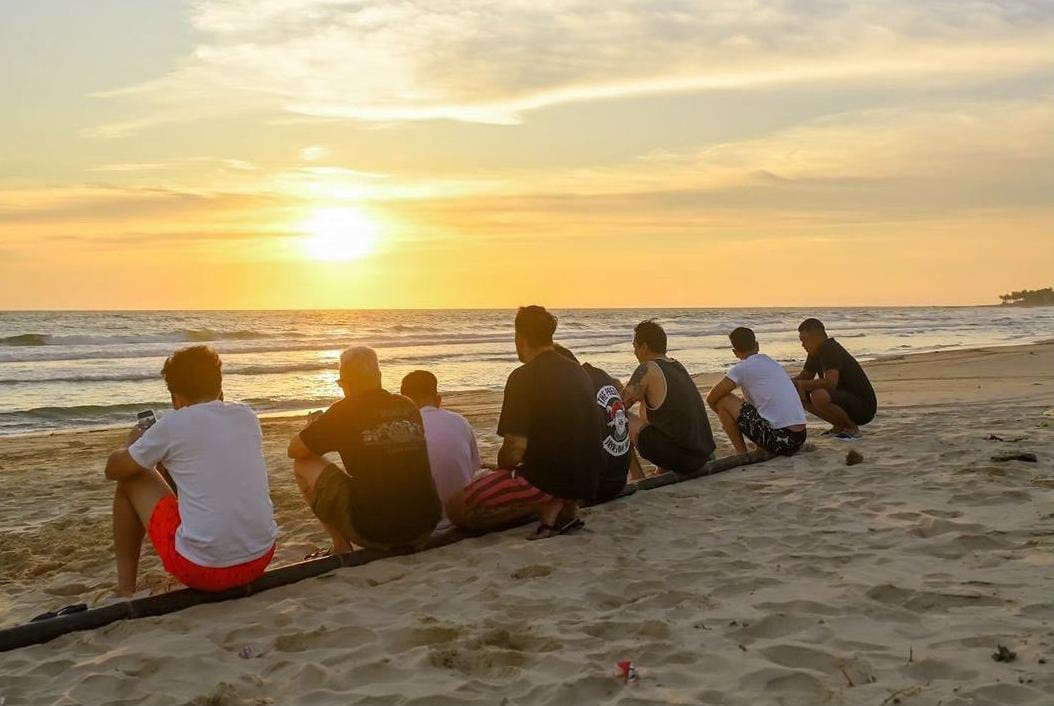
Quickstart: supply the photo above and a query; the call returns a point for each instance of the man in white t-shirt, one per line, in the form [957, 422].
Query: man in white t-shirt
[221, 532]
[452, 451]
[771, 415]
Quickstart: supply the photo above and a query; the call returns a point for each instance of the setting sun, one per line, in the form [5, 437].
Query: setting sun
[339, 234]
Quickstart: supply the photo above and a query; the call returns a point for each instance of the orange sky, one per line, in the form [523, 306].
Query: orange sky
[312, 154]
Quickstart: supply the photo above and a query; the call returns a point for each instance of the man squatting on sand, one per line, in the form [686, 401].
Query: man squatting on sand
[567, 438]
[842, 394]
[770, 413]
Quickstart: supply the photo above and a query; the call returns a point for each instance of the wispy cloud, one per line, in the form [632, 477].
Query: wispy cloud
[493, 61]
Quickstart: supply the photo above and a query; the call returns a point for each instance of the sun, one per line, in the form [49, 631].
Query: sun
[339, 234]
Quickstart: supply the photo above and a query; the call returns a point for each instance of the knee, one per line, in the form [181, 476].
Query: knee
[820, 398]
[304, 468]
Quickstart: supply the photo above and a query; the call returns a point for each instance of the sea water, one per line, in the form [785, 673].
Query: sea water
[63, 370]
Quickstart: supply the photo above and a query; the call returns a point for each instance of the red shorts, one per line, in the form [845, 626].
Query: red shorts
[164, 521]
[502, 493]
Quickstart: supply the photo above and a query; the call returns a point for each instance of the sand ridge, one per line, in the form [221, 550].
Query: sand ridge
[798, 580]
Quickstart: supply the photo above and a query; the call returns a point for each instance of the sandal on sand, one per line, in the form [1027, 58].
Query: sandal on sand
[68, 610]
[848, 436]
[319, 554]
[544, 531]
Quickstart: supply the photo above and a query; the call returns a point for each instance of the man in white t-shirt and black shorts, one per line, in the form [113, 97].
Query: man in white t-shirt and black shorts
[771, 413]
[220, 532]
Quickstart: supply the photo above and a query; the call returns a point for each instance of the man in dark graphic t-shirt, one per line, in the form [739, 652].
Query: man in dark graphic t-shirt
[840, 393]
[384, 497]
[614, 442]
[550, 457]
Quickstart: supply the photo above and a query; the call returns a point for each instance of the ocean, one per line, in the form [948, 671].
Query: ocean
[62, 370]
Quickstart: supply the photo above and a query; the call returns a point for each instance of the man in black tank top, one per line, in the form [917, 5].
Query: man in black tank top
[673, 430]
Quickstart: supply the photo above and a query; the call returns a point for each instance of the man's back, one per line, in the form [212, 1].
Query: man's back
[381, 440]
[767, 386]
[452, 452]
[851, 376]
[550, 401]
[682, 414]
[212, 451]
[615, 440]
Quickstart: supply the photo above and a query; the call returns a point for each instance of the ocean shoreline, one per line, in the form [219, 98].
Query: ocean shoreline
[452, 395]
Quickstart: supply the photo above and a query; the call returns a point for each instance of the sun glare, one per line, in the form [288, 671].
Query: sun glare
[339, 234]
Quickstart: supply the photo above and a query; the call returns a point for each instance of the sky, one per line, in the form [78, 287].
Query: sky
[223, 154]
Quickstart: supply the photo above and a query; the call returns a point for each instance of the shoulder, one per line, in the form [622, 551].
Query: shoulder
[518, 374]
[648, 366]
[239, 409]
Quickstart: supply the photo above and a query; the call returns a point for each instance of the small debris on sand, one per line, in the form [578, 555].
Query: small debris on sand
[1027, 457]
[854, 457]
[1004, 654]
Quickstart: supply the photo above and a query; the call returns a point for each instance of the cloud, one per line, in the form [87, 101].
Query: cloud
[314, 153]
[492, 61]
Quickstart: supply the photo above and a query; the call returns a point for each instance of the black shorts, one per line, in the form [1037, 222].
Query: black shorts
[859, 410]
[664, 452]
[782, 442]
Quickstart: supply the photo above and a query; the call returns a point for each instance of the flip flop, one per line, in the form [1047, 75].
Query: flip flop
[68, 610]
[545, 531]
[319, 554]
[847, 436]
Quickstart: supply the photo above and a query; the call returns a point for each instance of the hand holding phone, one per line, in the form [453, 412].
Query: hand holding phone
[145, 419]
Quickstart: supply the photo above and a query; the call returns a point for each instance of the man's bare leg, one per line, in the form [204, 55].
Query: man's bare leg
[635, 471]
[307, 471]
[133, 504]
[822, 406]
[636, 424]
[728, 409]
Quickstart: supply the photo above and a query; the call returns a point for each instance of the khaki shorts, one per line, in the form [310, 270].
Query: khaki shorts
[332, 505]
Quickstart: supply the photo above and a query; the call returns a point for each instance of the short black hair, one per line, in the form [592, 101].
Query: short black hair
[419, 384]
[812, 326]
[535, 325]
[743, 339]
[194, 373]
[564, 352]
[651, 333]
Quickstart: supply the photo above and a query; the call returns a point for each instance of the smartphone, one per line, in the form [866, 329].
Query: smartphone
[146, 419]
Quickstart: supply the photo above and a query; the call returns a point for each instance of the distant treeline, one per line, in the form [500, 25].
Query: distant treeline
[1029, 297]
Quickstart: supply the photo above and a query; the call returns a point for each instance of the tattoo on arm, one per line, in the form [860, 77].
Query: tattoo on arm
[634, 390]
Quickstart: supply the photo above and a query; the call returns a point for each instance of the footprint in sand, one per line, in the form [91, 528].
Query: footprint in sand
[533, 571]
[928, 601]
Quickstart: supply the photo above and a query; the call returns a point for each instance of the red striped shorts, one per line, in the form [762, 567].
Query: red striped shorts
[502, 492]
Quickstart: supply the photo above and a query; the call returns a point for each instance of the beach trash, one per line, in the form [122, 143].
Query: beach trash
[854, 457]
[625, 671]
[1026, 457]
[1004, 654]
[247, 652]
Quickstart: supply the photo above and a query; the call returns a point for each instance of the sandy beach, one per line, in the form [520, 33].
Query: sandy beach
[798, 580]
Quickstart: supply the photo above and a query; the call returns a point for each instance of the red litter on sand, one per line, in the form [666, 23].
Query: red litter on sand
[626, 672]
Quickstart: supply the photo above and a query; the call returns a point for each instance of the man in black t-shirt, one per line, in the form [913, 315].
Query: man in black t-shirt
[384, 497]
[550, 457]
[615, 443]
[842, 394]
